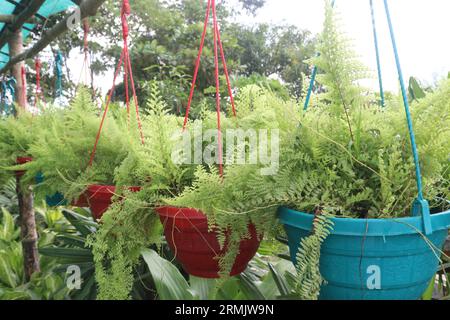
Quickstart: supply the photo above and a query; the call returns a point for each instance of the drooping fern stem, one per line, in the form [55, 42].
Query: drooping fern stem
[309, 279]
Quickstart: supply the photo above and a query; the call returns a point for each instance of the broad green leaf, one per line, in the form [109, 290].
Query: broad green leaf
[80, 255]
[81, 223]
[279, 281]
[8, 231]
[170, 283]
[203, 288]
[250, 288]
[7, 274]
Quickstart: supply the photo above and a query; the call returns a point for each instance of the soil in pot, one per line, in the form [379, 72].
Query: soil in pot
[197, 248]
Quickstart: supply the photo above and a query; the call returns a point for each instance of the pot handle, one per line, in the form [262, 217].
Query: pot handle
[420, 206]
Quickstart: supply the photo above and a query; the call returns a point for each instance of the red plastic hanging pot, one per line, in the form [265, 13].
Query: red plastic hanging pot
[81, 202]
[197, 248]
[22, 160]
[99, 198]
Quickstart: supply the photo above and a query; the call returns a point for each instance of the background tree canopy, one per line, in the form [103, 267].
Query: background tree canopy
[164, 41]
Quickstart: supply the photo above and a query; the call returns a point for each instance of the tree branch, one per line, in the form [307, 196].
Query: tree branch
[19, 20]
[87, 7]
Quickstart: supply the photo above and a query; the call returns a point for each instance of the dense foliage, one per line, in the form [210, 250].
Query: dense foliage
[343, 157]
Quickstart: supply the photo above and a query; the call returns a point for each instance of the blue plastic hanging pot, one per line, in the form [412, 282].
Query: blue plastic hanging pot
[372, 259]
[54, 200]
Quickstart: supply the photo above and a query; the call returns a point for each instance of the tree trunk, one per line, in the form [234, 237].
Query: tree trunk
[24, 194]
[28, 230]
[15, 48]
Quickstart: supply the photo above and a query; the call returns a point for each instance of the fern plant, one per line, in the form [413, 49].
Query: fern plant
[341, 157]
[62, 153]
[17, 134]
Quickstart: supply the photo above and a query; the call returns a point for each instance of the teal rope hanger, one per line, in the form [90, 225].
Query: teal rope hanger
[313, 78]
[380, 80]
[420, 206]
[59, 74]
[377, 52]
[8, 87]
[3, 101]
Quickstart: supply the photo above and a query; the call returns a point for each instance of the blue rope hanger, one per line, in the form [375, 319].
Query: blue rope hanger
[377, 51]
[313, 78]
[59, 74]
[380, 79]
[420, 206]
[7, 95]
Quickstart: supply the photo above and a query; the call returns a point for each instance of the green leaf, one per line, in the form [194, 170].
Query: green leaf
[72, 240]
[67, 253]
[249, 288]
[7, 274]
[203, 288]
[8, 230]
[170, 283]
[81, 223]
[279, 281]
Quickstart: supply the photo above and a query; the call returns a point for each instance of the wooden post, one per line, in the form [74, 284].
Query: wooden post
[28, 232]
[15, 48]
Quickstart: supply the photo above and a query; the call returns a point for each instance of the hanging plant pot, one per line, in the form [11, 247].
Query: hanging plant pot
[447, 247]
[22, 160]
[378, 259]
[81, 202]
[54, 200]
[99, 198]
[197, 248]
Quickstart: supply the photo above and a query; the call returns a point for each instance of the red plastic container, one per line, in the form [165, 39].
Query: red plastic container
[99, 198]
[81, 202]
[22, 160]
[197, 248]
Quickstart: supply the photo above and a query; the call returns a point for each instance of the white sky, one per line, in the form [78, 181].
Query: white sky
[422, 30]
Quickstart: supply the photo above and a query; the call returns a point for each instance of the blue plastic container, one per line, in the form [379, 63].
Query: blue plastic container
[361, 254]
[54, 200]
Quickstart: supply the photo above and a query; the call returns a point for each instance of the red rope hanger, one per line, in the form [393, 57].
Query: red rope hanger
[217, 45]
[86, 67]
[86, 48]
[38, 93]
[124, 61]
[23, 73]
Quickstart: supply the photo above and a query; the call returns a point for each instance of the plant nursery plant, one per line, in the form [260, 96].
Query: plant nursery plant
[346, 184]
[135, 222]
[62, 154]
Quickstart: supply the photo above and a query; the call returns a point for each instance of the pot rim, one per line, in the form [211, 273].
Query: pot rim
[101, 188]
[174, 213]
[367, 227]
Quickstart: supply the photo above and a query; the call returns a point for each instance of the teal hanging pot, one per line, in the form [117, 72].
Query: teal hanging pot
[54, 200]
[377, 258]
[373, 259]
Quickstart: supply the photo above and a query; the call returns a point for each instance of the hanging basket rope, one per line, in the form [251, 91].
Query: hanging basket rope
[38, 92]
[217, 46]
[23, 79]
[124, 61]
[86, 67]
[420, 206]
